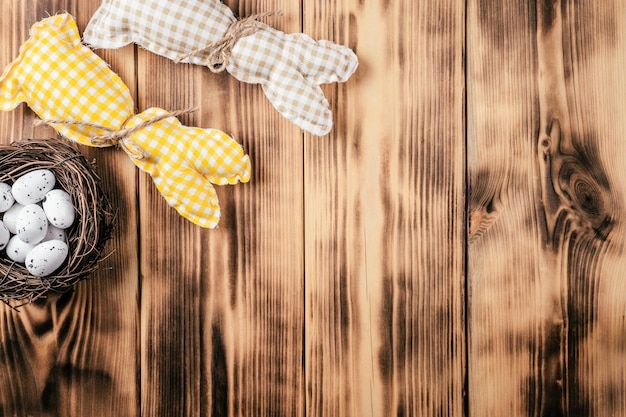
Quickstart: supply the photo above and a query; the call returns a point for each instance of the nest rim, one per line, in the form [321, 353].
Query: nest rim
[87, 236]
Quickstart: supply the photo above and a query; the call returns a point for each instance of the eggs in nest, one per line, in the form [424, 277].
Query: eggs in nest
[36, 214]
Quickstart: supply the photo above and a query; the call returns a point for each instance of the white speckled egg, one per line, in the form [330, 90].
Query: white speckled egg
[54, 233]
[18, 249]
[6, 197]
[31, 224]
[46, 257]
[32, 187]
[10, 216]
[5, 235]
[57, 204]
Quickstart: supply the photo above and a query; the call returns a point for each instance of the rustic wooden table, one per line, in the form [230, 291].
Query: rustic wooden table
[454, 247]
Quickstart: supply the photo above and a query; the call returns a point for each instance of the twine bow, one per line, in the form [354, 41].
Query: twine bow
[119, 137]
[220, 50]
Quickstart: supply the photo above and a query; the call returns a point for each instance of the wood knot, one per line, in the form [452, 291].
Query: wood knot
[575, 187]
[582, 189]
[588, 198]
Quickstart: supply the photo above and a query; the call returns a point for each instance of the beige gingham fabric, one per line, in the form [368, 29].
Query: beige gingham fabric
[290, 67]
[60, 79]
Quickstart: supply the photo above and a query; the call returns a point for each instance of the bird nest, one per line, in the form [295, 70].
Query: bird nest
[87, 236]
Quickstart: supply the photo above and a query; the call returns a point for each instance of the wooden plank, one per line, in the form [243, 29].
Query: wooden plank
[589, 165]
[546, 209]
[504, 307]
[74, 354]
[384, 218]
[222, 310]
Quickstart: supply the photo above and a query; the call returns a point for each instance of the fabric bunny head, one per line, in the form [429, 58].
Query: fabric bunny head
[61, 79]
[74, 90]
[289, 67]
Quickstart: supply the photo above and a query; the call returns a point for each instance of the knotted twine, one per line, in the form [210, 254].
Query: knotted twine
[220, 50]
[119, 137]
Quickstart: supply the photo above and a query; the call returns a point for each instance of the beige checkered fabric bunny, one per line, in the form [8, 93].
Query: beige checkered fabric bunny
[290, 67]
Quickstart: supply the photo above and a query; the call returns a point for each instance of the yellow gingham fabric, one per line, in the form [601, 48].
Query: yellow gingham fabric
[289, 67]
[61, 79]
[184, 161]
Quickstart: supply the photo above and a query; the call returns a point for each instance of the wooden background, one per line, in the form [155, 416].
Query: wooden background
[454, 247]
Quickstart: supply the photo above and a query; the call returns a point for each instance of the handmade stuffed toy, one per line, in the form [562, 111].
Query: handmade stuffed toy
[290, 67]
[74, 91]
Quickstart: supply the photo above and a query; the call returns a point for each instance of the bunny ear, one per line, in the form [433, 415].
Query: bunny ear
[218, 157]
[61, 25]
[298, 99]
[11, 94]
[212, 153]
[321, 61]
[192, 195]
[65, 83]
[184, 162]
[61, 28]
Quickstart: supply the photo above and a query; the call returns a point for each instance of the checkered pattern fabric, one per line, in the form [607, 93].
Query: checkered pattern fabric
[290, 67]
[60, 79]
[184, 161]
[63, 80]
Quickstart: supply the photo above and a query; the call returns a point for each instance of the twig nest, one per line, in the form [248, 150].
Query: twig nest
[44, 177]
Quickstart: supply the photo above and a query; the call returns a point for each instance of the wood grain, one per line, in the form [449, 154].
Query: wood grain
[75, 354]
[545, 206]
[222, 314]
[504, 290]
[384, 215]
[454, 247]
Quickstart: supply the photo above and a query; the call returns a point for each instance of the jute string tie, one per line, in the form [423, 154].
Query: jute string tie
[220, 50]
[120, 137]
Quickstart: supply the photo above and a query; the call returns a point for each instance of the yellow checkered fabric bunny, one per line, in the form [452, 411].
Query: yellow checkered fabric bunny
[68, 85]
